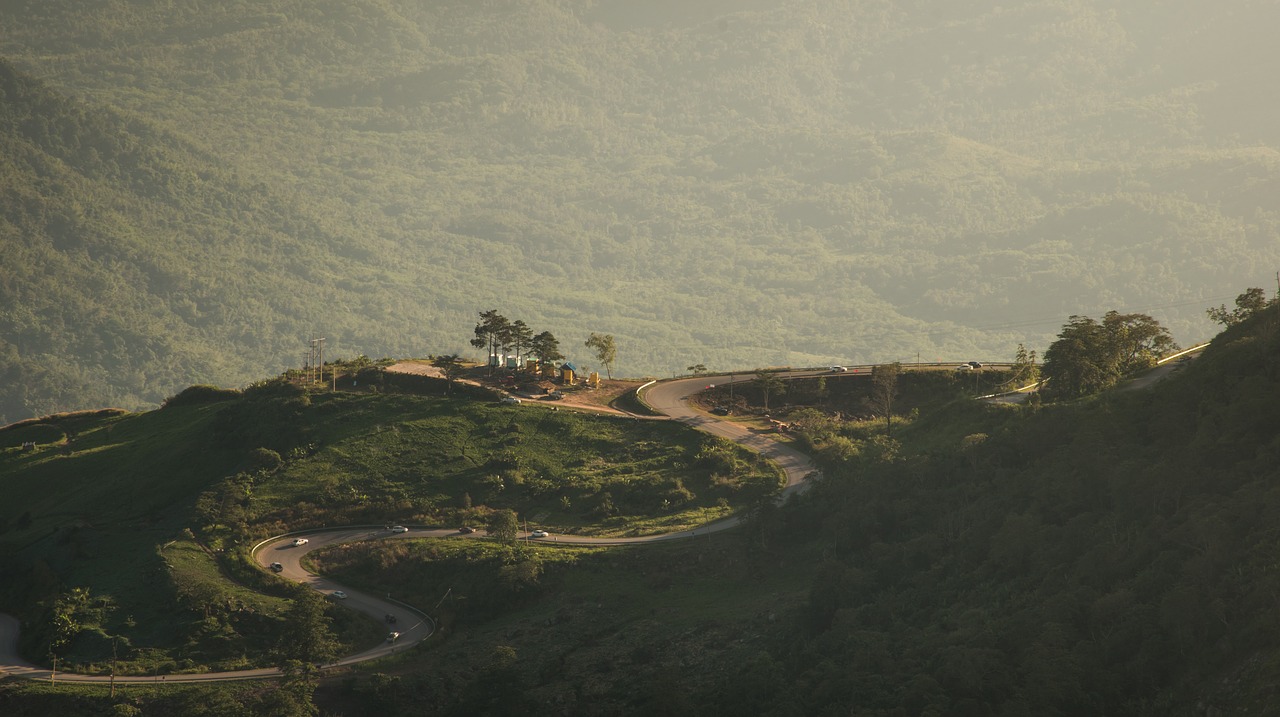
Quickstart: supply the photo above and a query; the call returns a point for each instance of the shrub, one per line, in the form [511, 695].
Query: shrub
[199, 395]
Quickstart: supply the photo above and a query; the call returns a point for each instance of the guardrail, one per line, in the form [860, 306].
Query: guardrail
[1182, 353]
[640, 396]
[308, 531]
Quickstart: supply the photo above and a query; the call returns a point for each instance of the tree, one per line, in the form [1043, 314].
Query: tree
[307, 636]
[1025, 370]
[519, 337]
[1091, 356]
[522, 570]
[605, 349]
[294, 696]
[504, 526]
[545, 348]
[697, 369]
[1249, 303]
[452, 368]
[1136, 340]
[769, 383]
[884, 389]
[1078, 363]
[490, 334]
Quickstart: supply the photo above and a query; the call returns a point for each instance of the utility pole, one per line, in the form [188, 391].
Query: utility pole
[315, 362]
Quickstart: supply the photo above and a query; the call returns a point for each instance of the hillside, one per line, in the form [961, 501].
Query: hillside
[151, 514]
[1111, 555]
[193, 190]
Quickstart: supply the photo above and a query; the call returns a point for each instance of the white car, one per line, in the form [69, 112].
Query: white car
[339, 594]
[838, 369]
[398, 529]
[392, 637]
[299, 541]
[539, 534]
[964, 367]
[511, 400]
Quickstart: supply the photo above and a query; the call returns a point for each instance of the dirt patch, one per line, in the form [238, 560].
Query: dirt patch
[581, 395]
[523, 385]
[415, 368]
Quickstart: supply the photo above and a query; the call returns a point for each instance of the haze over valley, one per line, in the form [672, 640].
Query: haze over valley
[1068, 205]
[193, 190]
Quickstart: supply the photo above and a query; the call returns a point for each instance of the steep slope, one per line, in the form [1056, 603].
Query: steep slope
[1115, 556]
[136, 265]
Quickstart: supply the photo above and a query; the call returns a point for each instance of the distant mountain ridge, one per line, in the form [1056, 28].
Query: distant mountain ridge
[775, 182]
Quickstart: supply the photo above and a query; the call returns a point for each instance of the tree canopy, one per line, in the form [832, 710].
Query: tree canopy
[1090, 356]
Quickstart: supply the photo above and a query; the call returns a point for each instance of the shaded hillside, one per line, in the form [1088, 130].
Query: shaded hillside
[1110, 556]
[735, 184]
[152, 514]
[1114, 556]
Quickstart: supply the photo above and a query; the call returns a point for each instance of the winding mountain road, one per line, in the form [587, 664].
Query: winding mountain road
[668, 397]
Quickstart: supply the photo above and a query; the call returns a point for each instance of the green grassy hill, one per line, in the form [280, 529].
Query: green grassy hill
[151, 513]
[1112, 555]
[193, 190]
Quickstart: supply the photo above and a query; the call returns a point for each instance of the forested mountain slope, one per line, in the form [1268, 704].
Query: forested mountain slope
[729, 183]
[1113, 556]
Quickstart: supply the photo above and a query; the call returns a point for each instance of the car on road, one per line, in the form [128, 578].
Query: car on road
[393, 636]
[398, 529]
[466, 530]
[838, 369]
[276, 568]
[720, 410]
[975, 364]
[964, 367]
[299, 541]
[339, 594]
[539, 534]
[511, 401]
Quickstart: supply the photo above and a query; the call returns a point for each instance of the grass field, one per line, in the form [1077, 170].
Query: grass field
[426, 460]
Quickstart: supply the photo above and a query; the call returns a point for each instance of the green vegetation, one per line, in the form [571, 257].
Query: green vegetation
[1091, 356]
[21, 698]
[453, 461]
[1110, 555]
[127, 533]
[189, 191]
[1247, 304]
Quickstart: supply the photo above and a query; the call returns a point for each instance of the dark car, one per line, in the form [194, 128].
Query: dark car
[720, 411]
[466, 530]
[276, 567]
[975, 364]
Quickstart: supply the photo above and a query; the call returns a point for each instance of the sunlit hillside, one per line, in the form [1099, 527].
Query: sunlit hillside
[193, 190]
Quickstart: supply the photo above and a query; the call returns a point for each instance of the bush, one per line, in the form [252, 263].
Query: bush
[199, 395]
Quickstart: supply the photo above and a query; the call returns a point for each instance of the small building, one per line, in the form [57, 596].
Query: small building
[568, 373]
